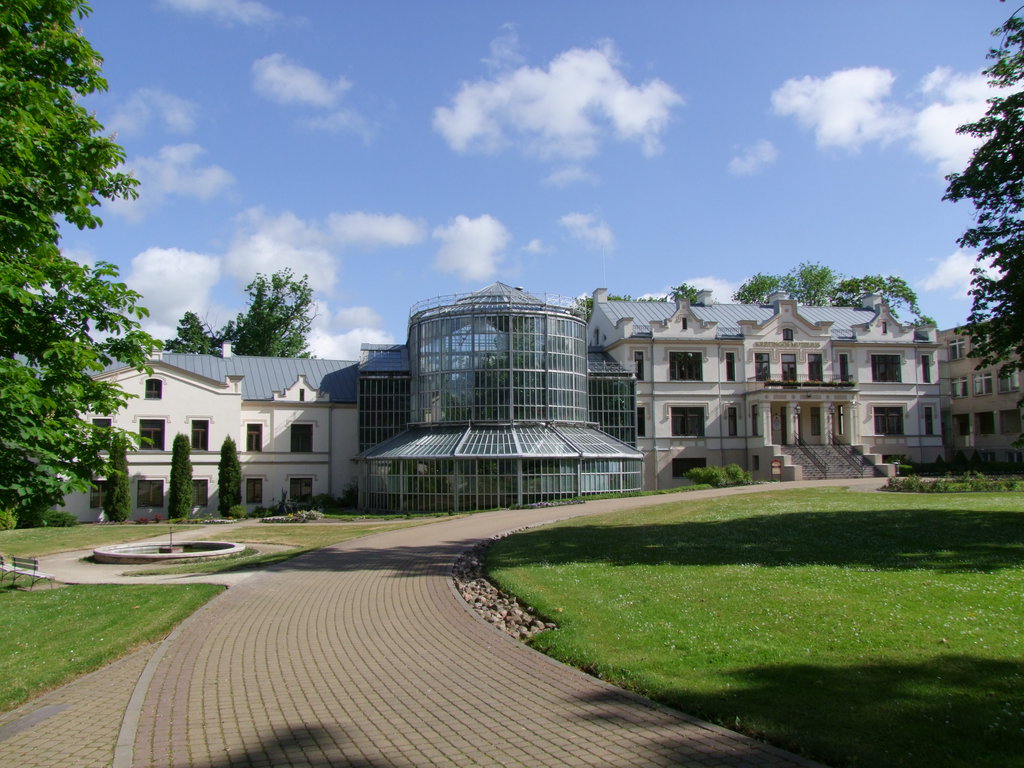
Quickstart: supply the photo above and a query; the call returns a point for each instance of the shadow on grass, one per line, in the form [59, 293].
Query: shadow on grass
[954, 711]
[942, 540]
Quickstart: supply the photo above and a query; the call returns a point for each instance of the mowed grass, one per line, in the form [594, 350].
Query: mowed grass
[860, 629]
[36, 542]
[49, 636]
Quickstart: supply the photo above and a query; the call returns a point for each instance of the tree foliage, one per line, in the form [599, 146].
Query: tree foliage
[276, 323]
[994, 181]
[229, 477]
[179, 497]
[117, 501]
[60, 321]
[684, 291]
[194, 337]
[817, 285]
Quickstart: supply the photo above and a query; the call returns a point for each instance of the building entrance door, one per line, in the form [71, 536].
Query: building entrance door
[780, 426]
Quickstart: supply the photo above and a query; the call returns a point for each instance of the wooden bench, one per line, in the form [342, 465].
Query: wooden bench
[24, 566]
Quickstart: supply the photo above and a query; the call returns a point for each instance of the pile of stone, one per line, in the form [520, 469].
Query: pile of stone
[496, 607]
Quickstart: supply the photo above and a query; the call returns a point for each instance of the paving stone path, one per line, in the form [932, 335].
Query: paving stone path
[362, 655]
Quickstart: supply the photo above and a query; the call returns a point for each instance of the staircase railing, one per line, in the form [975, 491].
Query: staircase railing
[806, 450]
[847, 453]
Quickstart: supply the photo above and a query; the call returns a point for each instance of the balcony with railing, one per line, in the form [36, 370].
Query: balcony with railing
[801, 381]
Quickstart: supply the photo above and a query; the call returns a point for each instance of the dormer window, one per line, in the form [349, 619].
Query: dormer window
[154, 389]
[787, 334]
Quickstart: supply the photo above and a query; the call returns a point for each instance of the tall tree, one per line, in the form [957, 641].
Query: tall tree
[60, 321]
[684, 291]
[229, 477]
[279, 318]
[179, 497]
[195, 337]
[117, 501]
[994, 181]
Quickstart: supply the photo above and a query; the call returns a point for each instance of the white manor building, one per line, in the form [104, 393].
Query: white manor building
[818, 391]
[636, 397]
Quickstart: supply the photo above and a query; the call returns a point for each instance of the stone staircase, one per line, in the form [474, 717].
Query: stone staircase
[822, 462]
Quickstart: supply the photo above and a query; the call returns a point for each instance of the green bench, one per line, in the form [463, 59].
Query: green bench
[23, 566]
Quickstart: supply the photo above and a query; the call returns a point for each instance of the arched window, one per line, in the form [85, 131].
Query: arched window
[154, 389]
[787, 334]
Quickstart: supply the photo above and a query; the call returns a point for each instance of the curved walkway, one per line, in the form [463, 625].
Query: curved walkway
[361, 654]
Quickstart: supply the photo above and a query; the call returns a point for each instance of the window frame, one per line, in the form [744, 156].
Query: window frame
[762, 366]
[200, 428]
[300, 437]
[254, 430]
[889, 420]
[886, 368]
[302, 481]
[148, 429]
[145, 498]
[683, 364]
[254, 490]
[200, 499]
[154, 389]
[683, 417]
[730, 366]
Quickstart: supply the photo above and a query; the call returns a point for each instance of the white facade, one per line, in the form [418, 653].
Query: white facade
[295, 430]
[732, 383]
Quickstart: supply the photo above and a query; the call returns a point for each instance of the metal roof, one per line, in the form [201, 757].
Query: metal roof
[602, 364]
[496, 297]
[729, 316]
[384, 358]
[263, 376]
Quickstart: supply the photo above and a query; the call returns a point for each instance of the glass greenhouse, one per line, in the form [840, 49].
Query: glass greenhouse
[490, 405]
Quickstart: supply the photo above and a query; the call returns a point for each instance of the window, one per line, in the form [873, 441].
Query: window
[681, 466]
[731, 421]
[814, 368]
[1009, 382]
[958, 387]
[254, 490]
[789, 367]
[154, 389]
[105, 423]
[787, 334]
[688, 422]
[956, 349]
[926, 369]
[885, 327]
[641, 422]
[986, 422]
[200, 435]
[151, 493]
[300, 488]
[730, 366]
[929, 420]
[96, 494]
[816, 421]
[885, 368]
[152, 433]
[638, 365]
[685, 366]
[841, 419]
[302, 438]
[1009, 422]
[962, 422]
[983, 383]
[888, 420]
[302, 395]
[844, 367]
[755, 422]
[200, 493]
[686, 324]
[762, 366]
[254, 437]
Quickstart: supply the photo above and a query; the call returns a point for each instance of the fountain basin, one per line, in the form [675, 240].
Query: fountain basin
[162, 553]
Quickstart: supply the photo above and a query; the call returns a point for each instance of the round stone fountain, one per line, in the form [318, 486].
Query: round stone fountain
[169, 552]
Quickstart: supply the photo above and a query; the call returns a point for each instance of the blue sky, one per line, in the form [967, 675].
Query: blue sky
[397, 151]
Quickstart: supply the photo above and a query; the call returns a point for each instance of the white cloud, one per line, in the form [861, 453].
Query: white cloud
[721, 289]
[374, 229]
[175, 114]
[951, 275]
[588, 230]
[536, 246]
[504, 49]
[338, 335]
[471, 248]
[754, 159]
[267, 243]
[357, 317]
[960, 99]
[226, 11]
[282, 81]
[570, 174]
[845, 109]
[561, 111]
[172, 281]
[173, 172]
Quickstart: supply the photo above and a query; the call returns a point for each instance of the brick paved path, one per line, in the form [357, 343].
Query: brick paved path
[362, 655]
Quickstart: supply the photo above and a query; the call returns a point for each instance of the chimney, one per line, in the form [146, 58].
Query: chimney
[704, 298]
[225, 349]
[871, 301]
[777, 296]
[601, 296]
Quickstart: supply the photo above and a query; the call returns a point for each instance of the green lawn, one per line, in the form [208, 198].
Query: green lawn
[49, 636]
[861, 629]
[36, 542]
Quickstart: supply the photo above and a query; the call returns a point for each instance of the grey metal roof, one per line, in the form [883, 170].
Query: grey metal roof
[602, 364]
[496, 297]
[384, 358]
[729, 316]
[263, 376]
[502, 441]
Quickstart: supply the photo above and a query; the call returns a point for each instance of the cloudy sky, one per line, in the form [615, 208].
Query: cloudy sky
[397, 151]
